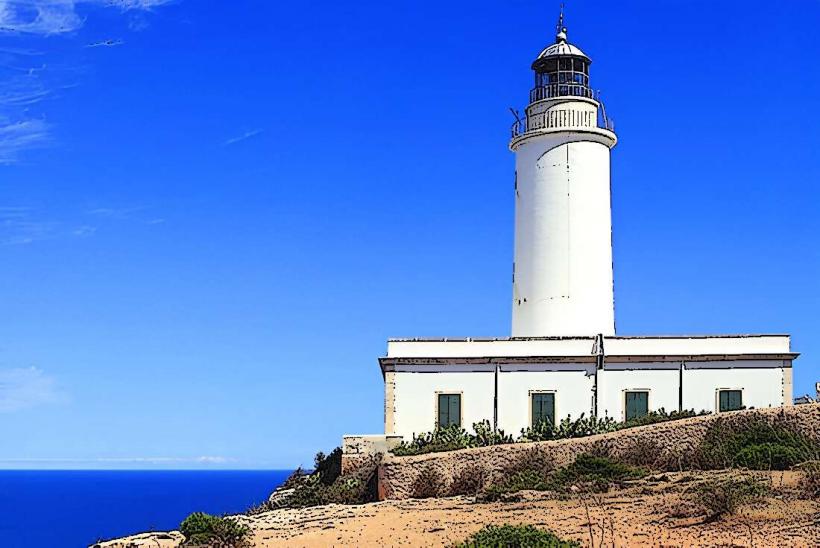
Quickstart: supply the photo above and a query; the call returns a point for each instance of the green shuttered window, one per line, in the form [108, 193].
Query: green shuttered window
[637, 404]
[543, 408]
[730, 400]
[449, 410]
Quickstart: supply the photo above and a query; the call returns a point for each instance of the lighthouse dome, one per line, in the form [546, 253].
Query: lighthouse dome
[561, 49]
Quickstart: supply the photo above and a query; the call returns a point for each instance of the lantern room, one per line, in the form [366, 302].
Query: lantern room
[561, 69]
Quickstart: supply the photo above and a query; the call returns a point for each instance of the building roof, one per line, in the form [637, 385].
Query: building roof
[583, 349]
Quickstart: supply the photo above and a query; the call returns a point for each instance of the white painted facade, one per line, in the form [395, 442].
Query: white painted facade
[416, 394]
[571, 384]
[563, 340]
[497, 377]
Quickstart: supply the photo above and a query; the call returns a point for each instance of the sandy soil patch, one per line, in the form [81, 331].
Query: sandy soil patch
[646, 513]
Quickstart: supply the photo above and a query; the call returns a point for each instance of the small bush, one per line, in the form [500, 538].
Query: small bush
[641, 452]
[312, 491]
[206, 530]
[595, 473]
[428, 484]
[515, 536]
[451, 438]
[295, 478]
[717, 498]
[530, 459]
[486, 436]
[811, 479]
[769, 456]
[756, 444]
[660, 415]
[470, 481]
[454, 437]
[524, 480]
[568, 428]
[328, 467]
[588, 472]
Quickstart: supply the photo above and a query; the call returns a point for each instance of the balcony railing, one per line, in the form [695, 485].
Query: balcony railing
[563, 119]
[560, 90]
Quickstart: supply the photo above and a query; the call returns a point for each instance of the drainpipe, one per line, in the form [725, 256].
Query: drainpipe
[599, 365]
[495, 400]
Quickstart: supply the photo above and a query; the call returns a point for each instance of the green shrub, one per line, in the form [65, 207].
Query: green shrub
[294, 479]
[595, 473]
[588, 472]
[451, 438]
[716, 498]
[428, 484]
[568, 428]
[660, 416]
[755, 444]
[485, 435]
[811, 479]
[515, 536]
[312, 491]
[524, 480]
[469, 481]
[769, 456]
[455, 437]
[206, 530]
[328, 467]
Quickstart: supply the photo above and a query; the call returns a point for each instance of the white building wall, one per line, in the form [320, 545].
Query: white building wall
[697, 345]
[616, 379]
[762, 383]
[573, 395]
[416, 398]
[585, 346]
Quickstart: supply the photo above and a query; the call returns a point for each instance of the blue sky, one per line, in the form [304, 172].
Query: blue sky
[213, 215]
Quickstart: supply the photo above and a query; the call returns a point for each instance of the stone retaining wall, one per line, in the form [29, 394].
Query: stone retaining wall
[358, 451]
[668, 445]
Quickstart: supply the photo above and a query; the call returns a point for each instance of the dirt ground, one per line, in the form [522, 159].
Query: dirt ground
[645, 513]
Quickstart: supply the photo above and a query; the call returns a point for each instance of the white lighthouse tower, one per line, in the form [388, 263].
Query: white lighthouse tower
[562, 274]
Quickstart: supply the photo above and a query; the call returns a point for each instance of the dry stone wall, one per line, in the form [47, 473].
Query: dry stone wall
[669, 445]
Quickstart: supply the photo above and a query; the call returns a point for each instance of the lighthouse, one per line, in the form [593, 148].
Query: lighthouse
[562, 270]
[564, 359]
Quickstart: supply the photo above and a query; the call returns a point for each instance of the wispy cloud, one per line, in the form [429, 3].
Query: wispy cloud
[21, 225]
[115, 212]
[48, 17]
[22, 135]
[39, 16]
[137, 214]
[23, 388]
[23, 83]
[243, 137]
[204, 460]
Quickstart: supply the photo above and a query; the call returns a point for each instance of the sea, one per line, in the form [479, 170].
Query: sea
[56, 509]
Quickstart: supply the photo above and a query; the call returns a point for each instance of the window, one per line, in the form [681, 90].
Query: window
[730, 400]
[543, 408]
[449, 410]
[636, 404]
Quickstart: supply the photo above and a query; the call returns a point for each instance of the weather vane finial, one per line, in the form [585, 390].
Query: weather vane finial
[560, 29]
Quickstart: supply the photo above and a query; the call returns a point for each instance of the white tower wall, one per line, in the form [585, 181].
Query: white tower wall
[562, 280]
